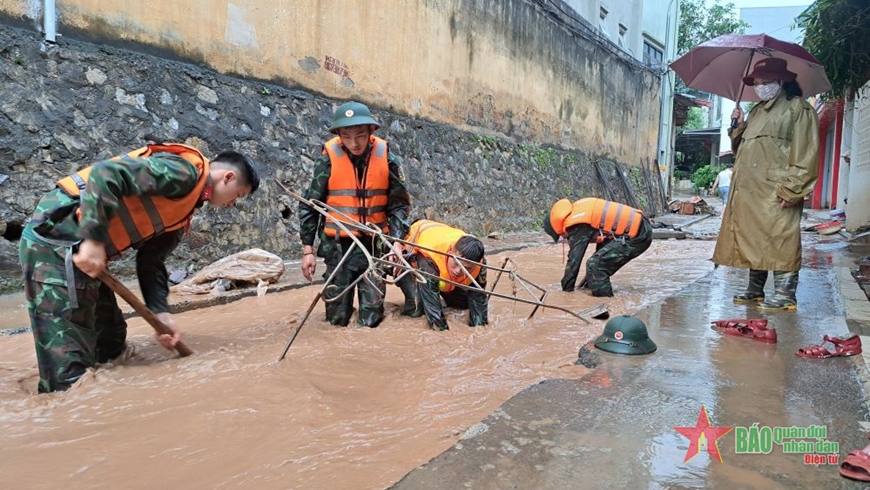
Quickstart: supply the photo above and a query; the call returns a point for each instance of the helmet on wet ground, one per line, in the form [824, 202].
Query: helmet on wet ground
[625, 334]
[351, 114]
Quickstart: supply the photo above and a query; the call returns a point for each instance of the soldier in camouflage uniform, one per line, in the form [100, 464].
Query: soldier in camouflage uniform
[357, 175]
[426, 297]
[141, 200]
[622, 232]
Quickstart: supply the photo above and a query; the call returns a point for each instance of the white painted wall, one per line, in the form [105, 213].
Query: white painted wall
[628, 12]
[660, 24]
[858, 209]
[845, 145]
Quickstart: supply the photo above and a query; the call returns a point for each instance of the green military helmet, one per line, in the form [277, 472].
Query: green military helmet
[625, 334]
[352, 114]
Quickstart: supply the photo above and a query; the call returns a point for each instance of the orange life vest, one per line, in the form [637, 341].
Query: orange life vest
[364, 201]
[611, 218]
[140, 218]
[440, 237]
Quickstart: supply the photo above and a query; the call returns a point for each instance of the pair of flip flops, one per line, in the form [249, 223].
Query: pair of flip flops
[842, 347]
[857, 465]
[749, 328]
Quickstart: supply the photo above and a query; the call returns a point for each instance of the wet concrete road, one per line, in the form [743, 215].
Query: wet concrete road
[615, 427]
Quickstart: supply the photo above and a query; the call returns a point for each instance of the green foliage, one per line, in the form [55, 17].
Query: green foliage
[704, 177]
[543, 157]
[692, 157]
[571, 159]
[837, 33]
[486, 140]
[699, 24]
[265, 91]
[19, 60]
[635, 176]
[695, 119]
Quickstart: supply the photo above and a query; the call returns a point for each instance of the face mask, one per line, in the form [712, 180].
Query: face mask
[767, 91]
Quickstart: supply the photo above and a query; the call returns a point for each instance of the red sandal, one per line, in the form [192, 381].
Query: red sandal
[842, 348]
[743, 322]
[751, 329]
[857, 465]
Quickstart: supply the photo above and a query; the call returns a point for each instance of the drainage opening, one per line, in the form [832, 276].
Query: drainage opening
[13, 231]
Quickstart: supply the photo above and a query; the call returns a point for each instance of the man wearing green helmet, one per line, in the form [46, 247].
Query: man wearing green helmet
[357, 175]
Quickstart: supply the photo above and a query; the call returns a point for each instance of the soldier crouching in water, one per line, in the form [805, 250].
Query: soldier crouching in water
[143, 200]
[426, 297]
[357, 175]
[625, 231]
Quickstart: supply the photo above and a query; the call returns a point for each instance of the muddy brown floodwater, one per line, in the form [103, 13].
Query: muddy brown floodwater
[349, 408]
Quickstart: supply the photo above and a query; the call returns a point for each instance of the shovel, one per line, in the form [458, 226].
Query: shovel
[143, 311]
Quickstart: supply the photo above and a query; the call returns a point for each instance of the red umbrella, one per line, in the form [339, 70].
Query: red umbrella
[719, 65]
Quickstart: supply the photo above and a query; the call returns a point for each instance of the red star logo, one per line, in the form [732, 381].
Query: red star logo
[703, 431]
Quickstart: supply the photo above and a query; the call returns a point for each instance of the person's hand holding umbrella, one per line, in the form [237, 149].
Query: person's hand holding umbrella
[737, 115]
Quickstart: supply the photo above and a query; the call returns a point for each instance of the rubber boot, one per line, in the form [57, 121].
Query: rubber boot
[413, 307]
[755, 291]
[785, 287]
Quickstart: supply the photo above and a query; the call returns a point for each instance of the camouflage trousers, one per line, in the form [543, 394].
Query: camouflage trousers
[425, 298]
[371, 289]
[605, 262]
[70, 335]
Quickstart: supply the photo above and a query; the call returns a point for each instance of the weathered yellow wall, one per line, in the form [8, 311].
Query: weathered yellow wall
[17, 9]
[495, 64]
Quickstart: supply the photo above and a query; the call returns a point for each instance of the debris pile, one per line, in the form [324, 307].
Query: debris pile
[251, 267]
[693, 205]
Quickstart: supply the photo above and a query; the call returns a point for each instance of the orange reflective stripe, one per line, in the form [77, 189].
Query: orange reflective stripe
[366, 201]
[609, 217]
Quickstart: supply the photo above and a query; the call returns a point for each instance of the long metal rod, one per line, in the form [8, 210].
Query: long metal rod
[351, 225]
[299, 327]
[328, 283]
[498, 276]
[348, 225]
[523, 283]
[325, 209]
[320, 294]
[535, 309]
[512, 298]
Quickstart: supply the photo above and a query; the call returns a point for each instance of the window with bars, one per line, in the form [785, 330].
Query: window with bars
[652, 55]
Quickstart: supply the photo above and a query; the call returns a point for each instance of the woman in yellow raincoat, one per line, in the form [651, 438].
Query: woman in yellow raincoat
[776, 166]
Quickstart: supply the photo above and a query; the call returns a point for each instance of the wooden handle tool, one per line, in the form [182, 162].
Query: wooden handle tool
[143, 311]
